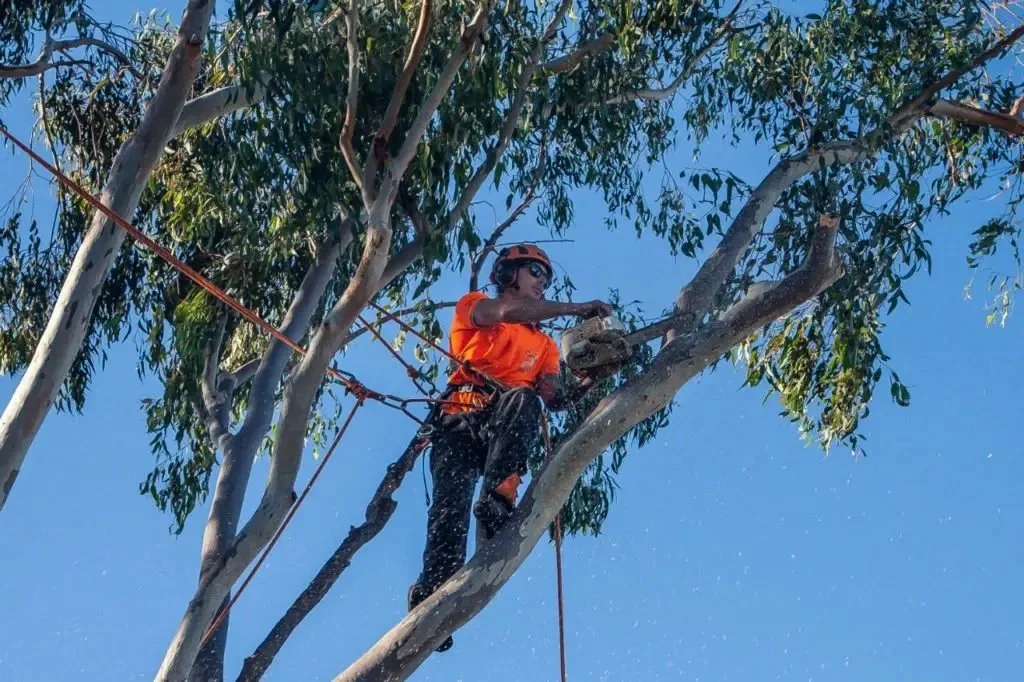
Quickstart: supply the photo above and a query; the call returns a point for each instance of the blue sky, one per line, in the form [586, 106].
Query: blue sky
[733, 551]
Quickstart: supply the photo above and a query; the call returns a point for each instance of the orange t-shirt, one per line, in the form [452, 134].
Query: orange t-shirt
[515, 354]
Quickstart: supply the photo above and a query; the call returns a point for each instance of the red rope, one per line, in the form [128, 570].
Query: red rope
[173, 260]
[284, 524]
[409, 369]
[462, 363]
[558, 559]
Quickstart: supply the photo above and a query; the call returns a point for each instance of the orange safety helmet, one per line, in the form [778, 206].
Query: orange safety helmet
[510, 258]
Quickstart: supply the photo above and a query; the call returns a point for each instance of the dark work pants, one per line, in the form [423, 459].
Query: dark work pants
[493, 442]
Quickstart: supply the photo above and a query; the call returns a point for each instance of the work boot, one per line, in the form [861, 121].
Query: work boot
[492, 510]
[415, 597]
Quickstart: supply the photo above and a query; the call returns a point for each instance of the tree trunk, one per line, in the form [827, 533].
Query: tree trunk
[239, 450]
[62, 339]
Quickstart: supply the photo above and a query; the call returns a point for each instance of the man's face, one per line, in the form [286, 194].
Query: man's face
[532, 280]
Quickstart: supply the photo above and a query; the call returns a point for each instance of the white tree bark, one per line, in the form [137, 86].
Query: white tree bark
[62, 339]
[239, 449]
[298, 402]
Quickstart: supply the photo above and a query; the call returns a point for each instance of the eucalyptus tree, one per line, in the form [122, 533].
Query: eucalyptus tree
[352, 140]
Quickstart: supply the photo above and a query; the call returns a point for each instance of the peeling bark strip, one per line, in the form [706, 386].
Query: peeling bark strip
[62, 339]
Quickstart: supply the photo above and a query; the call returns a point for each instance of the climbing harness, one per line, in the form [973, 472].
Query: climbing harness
[352, 384]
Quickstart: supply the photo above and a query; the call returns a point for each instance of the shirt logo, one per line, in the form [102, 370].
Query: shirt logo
[529, 360]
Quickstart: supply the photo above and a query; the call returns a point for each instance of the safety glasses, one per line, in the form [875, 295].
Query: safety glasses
[538, 271]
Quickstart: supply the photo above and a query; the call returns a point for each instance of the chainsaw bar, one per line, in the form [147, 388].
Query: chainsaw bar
[651, 331]
[598, 341]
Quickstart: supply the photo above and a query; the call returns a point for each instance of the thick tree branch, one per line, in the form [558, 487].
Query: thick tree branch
[217, 103]
[971, 115]
[695, 299]
[570, 61]
[767, 302]
[399, 652]
[387, 126]
[378, 513]
[662, 94]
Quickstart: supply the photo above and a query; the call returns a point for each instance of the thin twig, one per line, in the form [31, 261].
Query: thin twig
[478, 262]
[64, 45]
[44, 61]
[528, 198]
[471, 37]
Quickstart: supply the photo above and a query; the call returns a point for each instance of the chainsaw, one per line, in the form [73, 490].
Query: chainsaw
[603, 341]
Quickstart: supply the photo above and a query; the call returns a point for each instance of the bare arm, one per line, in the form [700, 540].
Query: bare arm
[488, 312]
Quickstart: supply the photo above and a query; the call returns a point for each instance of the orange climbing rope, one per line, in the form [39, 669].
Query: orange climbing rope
[558, 558]
[175, 262]
[349, 381]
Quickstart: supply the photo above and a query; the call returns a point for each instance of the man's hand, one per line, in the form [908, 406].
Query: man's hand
[558, 397]
[595, 308]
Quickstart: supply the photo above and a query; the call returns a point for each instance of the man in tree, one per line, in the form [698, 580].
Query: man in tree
[486, 431]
